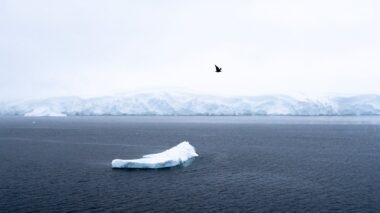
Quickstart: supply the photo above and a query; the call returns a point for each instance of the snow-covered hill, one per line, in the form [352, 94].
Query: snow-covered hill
[163, 103]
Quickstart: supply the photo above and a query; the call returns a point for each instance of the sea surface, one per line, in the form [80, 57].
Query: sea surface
[245, 164]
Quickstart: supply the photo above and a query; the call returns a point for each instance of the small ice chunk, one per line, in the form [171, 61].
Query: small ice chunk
[175, 156]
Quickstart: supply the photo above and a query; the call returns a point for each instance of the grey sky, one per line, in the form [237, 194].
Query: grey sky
[93, 48]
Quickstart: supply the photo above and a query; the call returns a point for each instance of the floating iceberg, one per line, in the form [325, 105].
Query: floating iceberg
[178, 155]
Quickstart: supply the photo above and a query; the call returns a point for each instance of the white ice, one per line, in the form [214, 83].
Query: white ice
[171, 103]
[175, 156]
[38, 112]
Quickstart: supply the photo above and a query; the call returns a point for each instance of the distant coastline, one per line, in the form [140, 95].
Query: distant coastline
[187, 104]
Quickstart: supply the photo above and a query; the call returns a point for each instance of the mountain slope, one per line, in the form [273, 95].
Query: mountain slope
[163, 103]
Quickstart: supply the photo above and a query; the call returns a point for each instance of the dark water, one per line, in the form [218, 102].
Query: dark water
[246, 164]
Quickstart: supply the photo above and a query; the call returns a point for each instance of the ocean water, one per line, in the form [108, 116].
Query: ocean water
[246, 164]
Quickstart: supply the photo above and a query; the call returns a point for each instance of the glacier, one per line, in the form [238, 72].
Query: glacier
[179, 103]
[42, 112]
[180, 154]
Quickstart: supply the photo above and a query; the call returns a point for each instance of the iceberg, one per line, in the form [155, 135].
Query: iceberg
[178, 155]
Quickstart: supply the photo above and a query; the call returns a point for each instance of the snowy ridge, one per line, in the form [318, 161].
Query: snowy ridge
[175, 156]
[38, 112]
[163, 103]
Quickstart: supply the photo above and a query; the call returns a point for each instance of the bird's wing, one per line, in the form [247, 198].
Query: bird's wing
[217, 67]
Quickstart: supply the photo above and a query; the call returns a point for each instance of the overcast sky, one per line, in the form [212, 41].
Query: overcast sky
[93, 48]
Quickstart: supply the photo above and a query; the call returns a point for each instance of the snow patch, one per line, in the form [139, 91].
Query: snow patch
[38, 112]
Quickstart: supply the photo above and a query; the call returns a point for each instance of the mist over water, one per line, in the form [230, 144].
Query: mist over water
[251, 164]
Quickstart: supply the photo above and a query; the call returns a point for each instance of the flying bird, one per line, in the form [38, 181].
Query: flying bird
[218, 69]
